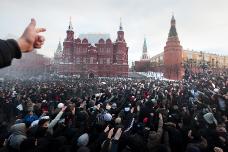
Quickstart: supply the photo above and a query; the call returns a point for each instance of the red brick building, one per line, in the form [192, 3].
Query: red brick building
[143, 65]
[173, 68]
[92, 55]
[169, 62]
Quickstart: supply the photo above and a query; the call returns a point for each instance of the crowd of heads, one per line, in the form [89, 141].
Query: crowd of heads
[114, 115]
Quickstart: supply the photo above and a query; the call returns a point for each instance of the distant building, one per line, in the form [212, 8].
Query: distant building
[196, 61]
[174, 60]
[31, 64]
[144, 53]
[143, 64]
[173, 54]
[92, 55]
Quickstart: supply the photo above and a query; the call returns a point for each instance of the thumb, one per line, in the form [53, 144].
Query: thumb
[32, 23]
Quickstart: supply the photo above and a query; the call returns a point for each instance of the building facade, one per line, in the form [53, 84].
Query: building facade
[31, 64]
[143, 64]
[174, 60]
[197, 61]
[92, 55]
[172, 56]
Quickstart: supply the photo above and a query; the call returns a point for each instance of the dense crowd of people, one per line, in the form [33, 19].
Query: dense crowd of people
[114, 115]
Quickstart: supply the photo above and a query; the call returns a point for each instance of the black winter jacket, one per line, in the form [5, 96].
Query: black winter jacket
[9, 49]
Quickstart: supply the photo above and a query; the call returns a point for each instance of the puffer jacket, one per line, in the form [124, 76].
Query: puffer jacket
[18, 135]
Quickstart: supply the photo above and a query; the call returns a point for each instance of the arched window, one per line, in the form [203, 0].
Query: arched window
[101, 41]
[84, 41]
[77, 41]
[108, 41]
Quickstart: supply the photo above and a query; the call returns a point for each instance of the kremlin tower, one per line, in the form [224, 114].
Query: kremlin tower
[173, 54]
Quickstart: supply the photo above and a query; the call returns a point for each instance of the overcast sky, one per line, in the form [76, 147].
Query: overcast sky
[201, 24]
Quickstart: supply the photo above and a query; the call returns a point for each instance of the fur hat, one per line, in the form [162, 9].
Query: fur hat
[114, 106]
[83, 140]
[118, 120]
[107, 117]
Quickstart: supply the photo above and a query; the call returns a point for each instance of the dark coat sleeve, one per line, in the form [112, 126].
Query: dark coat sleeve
[9, 49]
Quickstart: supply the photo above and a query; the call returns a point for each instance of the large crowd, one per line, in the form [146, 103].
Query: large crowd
[114, 115]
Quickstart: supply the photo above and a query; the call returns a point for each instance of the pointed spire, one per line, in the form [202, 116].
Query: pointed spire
[173, 31]
[121, 27]
[144, 52]
[173, 21]
[59, 48]
[173, 17]
[70, 27]
[144, 45]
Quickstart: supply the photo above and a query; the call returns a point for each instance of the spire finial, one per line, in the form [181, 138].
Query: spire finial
[144, 44]
[172, 31]
[173, 19]
[59, 48]
[70, 25]
[121, 27]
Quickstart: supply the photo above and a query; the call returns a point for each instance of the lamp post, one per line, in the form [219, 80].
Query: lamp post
[217, 67]
[203, 65]
[194, 66]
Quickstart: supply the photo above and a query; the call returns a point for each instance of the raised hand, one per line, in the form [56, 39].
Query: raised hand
[110, 133]
[64, 108]
[106, 129]
[190, 134]
[30, 38]
[73, 111]
[217, 149]
[160, 116]
[132, 110]
[118, 134]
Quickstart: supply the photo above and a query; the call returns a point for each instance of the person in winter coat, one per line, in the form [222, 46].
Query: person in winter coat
[17, 137]
[154, 138]
[82, 143]
[30, 117]
[45, 125]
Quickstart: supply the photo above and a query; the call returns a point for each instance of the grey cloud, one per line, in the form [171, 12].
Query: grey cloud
[201, 24]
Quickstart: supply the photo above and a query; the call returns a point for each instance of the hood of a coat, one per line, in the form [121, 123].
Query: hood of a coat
[19, 129]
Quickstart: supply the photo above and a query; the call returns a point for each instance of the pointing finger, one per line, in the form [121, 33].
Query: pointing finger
[38, 30]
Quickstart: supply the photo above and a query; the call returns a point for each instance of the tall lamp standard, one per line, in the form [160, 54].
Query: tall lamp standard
[217, 67]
